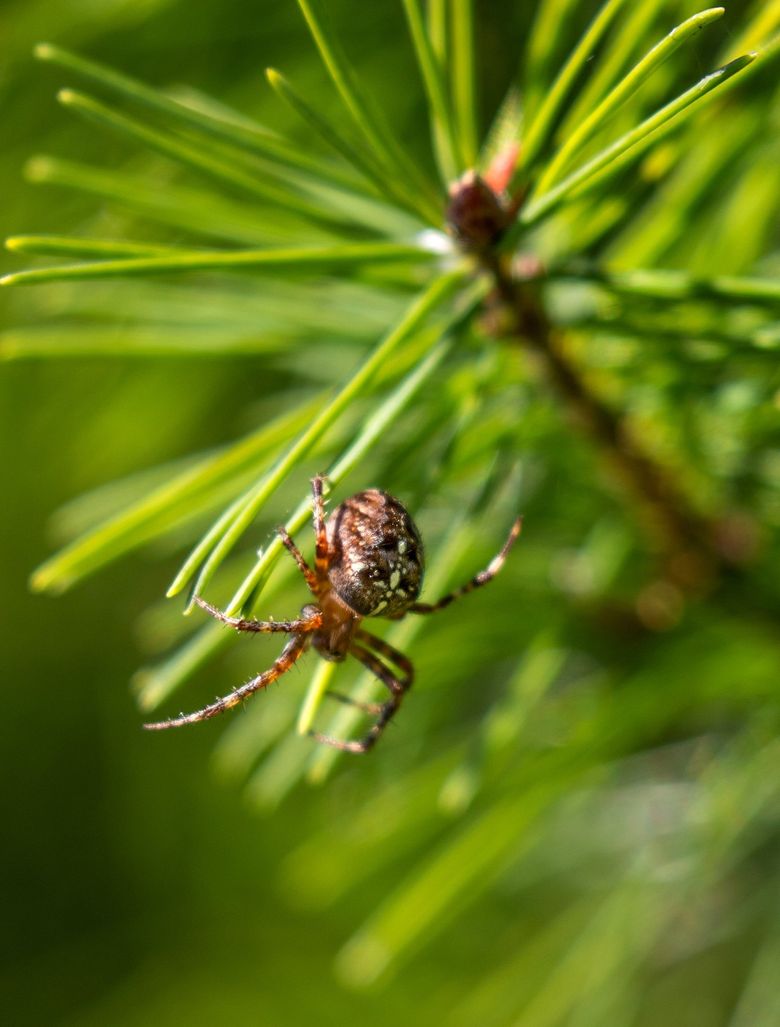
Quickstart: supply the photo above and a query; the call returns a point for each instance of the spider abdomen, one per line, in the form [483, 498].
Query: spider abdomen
[376, 555]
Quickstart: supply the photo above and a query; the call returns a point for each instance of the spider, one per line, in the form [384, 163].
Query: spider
[368, 563]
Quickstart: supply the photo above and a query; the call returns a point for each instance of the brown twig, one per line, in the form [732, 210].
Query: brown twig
[694, 550]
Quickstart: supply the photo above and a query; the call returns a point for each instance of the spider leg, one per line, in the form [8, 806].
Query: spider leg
[366, 707]
[320, 532]
[289, 627]
[390, 653]
[295, 648]
[478, 580]
[303, 567]
[396, 686]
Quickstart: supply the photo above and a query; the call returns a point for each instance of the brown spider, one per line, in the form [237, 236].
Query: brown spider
[368, 563]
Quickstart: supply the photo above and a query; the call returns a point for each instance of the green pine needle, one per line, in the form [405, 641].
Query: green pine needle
[444, 136]
[366, 118]
[540, 130]
[362, 160]
[631, 145]
[239, 130]
[255, 260]
[225, 173]
[622, 91]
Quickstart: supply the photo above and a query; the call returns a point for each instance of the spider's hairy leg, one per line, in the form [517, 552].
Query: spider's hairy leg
[366, 707]
[294, 649]
[397, 688]
[391, 655]
[320, 532]
[311, 578]
[310, 622]
[478, 580]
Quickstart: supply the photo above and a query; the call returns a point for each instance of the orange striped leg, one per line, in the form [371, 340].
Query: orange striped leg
[294, 649]
[478, 580]
[366, 707]
[390, 653]
[303, 567]
[320, 532]
[387, 710]
[310, 622]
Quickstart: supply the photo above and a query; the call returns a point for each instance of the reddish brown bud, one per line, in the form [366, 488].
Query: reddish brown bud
[475, 213]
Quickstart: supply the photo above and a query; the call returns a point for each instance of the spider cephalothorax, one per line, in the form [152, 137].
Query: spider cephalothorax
[368, 563]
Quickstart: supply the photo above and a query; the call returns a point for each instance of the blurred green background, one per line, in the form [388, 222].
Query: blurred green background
[625, 873]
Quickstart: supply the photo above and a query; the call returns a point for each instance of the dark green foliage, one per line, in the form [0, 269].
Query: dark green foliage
[575, 820]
